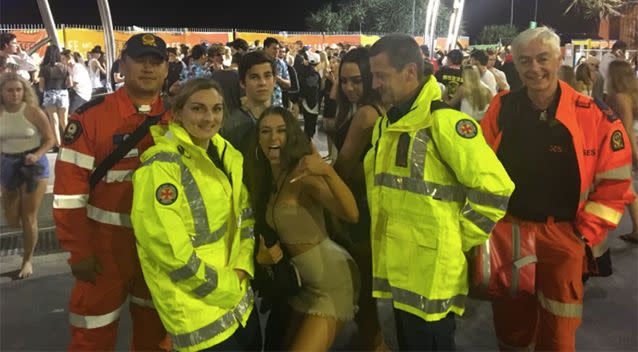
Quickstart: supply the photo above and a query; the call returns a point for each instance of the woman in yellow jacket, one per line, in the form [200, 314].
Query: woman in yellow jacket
[194, 228]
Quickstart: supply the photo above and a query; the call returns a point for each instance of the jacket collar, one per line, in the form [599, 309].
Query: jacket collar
[126, 107]
[418, 114]
[176, 135]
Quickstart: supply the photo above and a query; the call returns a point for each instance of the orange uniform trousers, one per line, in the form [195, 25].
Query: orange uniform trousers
[547, 321]
[95, 308]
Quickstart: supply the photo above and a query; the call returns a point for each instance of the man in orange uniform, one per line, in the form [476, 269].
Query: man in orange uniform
[93, 223]
[570, 160]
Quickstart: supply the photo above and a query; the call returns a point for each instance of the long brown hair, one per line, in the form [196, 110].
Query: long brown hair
[361, 58]
[623, 80]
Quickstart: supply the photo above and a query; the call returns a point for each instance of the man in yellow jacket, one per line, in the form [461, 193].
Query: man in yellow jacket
[435, 190]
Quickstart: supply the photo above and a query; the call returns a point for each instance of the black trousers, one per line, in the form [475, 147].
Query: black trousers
[309, 123]
[416, 334]
[246, 338]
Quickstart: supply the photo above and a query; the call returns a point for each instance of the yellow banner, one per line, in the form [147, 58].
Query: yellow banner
[369, 39]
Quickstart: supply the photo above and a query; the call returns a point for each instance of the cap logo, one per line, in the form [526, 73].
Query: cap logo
[148, 40]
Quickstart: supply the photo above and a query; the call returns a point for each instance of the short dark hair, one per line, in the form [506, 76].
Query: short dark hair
[5, 39]
[401, 49]
[251, 59]
[270, 41]
[425, 50]
[480, 56]
[67, 53]
[455, 56]
[171, 51]
[198, 51]
[239, 44]
[618, 45]
[236, 59]
[215, 50]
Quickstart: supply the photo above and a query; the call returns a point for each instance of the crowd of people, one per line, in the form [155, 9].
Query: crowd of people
[193, 187]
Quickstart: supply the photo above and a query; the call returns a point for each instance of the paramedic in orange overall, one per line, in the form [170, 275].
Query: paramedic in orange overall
[93, 223]
[570, 160]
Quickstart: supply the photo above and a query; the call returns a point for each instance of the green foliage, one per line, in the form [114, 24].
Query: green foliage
[327, 19]
[492, 34]
[596, 8]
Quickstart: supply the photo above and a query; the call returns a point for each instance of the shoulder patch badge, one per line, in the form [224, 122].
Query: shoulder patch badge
[617, 142]
[466, 128]
[166, 194]
[72, 132]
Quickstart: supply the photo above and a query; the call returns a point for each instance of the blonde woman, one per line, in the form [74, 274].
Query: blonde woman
[624, 101]
[474, 96]
[25, 136]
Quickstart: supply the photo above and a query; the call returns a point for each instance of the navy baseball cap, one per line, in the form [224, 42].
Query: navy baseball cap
[143, 44]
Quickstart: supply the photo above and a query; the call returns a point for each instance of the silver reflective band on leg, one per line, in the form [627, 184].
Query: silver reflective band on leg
[142, 302]
[188, 270]
[94, 321]
[482, 222]
[487, 264]
[217, 327]
[414, 300]
[565, 310]
[516, 252]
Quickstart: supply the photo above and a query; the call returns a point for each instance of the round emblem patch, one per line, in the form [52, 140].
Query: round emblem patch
[617, 143]
[166, 194]
[466, 128]
[72, 132]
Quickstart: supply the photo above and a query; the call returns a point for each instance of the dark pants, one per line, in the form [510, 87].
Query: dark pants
[75, 101]
[246, 338]
[309, 123]
[416, 334]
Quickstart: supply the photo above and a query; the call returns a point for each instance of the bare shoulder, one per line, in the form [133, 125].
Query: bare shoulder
[33, 112]
[366, 116]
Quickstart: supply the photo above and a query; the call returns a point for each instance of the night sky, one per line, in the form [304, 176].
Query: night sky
[266, 14]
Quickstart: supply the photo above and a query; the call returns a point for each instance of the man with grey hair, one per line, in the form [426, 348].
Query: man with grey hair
[556, 144]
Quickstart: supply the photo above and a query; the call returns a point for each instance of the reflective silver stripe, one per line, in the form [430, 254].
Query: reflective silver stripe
[133, 153]
[619, 173]
[516, 252]
[94, 321]
[70, 201]
[419, 149]
[521, 262]
[247, 233]
[209, 285]
[566, 310]
[195, 201]
[108, 217]
[418, 186]
[414, 300]
[142, 302]
[209, 237]
[113, 176]
[487, 264]
[246, 214]
[79, 159]
[482, 222]
[188, 270]
[218, 326]
[488, 199]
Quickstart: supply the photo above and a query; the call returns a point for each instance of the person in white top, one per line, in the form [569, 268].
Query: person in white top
[80, 92]
[25, 136]
[16, 59]
[96, 68]
[618, 51]
[501, 79]
[479, 58]
[473, 95]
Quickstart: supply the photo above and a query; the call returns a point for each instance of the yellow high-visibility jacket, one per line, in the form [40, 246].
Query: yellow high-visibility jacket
[435, 190]
[193, 226]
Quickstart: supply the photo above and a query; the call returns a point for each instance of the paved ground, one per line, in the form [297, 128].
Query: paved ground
[34, 316]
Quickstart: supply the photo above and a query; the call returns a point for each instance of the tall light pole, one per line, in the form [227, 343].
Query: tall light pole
[512, 12]
[431, 15]
[535, 10]
[413, 15]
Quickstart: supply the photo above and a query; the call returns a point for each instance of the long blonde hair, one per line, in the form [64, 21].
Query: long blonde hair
[29, 96]
[478, 95]
[623, 80]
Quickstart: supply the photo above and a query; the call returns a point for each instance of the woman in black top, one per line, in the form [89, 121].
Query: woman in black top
[54, 81]
[357, 111]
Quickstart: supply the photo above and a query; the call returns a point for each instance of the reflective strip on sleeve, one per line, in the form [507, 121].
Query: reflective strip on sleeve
[603, 212]
[142, 302]
[619, 173]
[188, 270]
[94, 321]
[209, 285]
[565, 310]
[247, 233]
[488, 199]
[201, 239]
[76, 158]
[118, 176]
[218, 326]
[246, 214]
[419, 186]
[419, 150]
[414, 300]
[108, 217]
[482, 222]
[70, 201]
